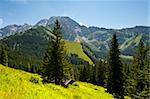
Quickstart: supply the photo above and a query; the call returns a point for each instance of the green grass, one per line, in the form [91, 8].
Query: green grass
[76, 48]
[17, 84]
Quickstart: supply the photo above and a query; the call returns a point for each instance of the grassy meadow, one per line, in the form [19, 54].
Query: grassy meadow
[17, 84]
[76, 48]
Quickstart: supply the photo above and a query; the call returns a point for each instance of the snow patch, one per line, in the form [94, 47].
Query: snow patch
[82, 24]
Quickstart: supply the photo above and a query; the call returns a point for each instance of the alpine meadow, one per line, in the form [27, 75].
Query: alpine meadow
[56, 53]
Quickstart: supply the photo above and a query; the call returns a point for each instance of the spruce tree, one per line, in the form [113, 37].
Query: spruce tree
[100, 72]
[93, 75]
[141, 72]
[86, 73]
[130, 81]
[106, 74]
[54, 59]
[115, 80]
[3, 57]
[83, 74]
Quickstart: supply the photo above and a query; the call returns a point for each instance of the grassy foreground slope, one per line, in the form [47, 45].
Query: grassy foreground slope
[76, 48]
[17, 84]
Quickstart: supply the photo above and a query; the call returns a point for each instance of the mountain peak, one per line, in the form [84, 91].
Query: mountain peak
[42, 22]
[14, 28]
[60, 17]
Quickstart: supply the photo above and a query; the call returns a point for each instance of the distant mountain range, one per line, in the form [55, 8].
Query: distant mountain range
[12, 29]
[97, 39]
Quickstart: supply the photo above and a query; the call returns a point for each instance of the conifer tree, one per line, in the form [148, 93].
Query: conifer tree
[100, 72]
[54, 59]
[140, 73]
[115, 80]
[3, 57]
[83, 74]
[93, 75]
[106, 74]
[130, 81]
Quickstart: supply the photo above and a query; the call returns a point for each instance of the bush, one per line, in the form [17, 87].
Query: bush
[35, 79]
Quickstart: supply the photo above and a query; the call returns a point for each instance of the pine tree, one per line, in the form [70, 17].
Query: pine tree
[140, 73]
[68, 70]
[100, 72]
[83, 74]
[54, 59]
[93, 75]
[130, 81]
[76, 72]
[106, 74]
[86, 73]
[3, 57]
[115, 80]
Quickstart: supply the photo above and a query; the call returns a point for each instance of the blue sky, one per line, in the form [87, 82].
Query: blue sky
[101, 13]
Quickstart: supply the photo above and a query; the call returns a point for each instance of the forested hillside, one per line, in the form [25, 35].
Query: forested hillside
[98, 37]
[27, 48]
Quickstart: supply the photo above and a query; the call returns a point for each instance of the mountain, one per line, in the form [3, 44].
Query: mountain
[95, 38]
[70, 28]
[128, 39]
[29, 47]
[99, 38]
[12, 29]
[18, 84]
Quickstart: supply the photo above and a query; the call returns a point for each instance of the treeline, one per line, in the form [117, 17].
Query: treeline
[120, 79]
[3, 56]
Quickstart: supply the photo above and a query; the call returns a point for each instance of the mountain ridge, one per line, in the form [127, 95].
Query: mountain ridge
[98, 37]
[50, 21]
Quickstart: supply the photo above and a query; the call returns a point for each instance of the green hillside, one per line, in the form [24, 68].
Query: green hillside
[130, 42]
[76, 48]
[30, 46]
[17, 84]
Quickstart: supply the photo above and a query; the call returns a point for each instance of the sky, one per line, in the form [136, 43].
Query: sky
[102, 13]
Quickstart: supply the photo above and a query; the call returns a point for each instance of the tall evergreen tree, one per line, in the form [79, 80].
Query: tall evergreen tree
[54, 59]
[140, 73]
[115, 80]
[100, 72]
[3, 57]
[106, 74]
[84, 74]
[130, 81]
[93, 75]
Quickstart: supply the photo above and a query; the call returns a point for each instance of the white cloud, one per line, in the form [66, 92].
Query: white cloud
[83, 24]
[1, 22]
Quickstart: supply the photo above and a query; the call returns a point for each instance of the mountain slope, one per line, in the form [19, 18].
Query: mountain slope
[69, 27]
[99, 38]
[129, 47]
[17, 84]
[76, 48]
[12, 29]
[29, 47]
